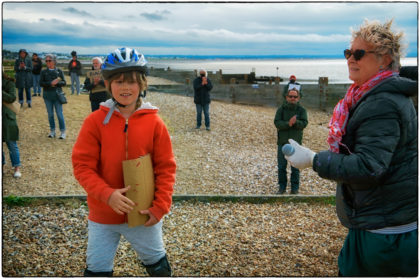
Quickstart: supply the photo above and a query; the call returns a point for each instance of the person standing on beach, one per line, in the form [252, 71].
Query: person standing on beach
[75, 70]
[292, 84]
[10, 129]
[202, 87]
[95, 84]
[23, 70]
[36, 74]
[290, 120]
[124, 128]
[373, 157]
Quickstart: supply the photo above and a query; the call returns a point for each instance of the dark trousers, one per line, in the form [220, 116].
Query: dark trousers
[206, 109]
[28, 95]
[282, 173]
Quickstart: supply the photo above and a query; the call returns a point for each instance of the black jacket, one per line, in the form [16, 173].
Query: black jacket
[47, 76]
[377, 181]
[77, 69]
[36, 66]
[202, 92]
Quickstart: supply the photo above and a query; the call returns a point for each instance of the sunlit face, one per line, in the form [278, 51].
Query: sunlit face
[125, 92]
[50, 62]
[368, 66]
[96, 65]
[292, 97]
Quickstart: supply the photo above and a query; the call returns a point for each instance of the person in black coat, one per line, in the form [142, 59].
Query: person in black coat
[36, 74]
[94, 82]
[23, 74]
[373, 157]
[202, 87]
[75, 70]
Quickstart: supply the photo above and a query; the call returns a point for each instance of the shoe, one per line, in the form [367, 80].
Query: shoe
[17, 174]
[63, 135]
[197, 127]
[281, 192]
[29, 105]
[34, 95]
[294, 192]
[52, 134]
[21, 105]
[208, 128]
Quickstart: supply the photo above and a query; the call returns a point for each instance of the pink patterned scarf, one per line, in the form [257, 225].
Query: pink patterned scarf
[340, 115]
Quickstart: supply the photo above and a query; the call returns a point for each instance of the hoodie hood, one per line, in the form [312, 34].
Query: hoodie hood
[400, 85]
[110, 106]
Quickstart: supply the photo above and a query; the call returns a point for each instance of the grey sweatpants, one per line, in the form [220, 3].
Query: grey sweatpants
[103, 242]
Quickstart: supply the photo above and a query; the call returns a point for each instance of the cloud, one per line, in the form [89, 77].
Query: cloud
[77, 12]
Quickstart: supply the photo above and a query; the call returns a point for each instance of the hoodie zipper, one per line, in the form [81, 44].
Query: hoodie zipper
[126, 153]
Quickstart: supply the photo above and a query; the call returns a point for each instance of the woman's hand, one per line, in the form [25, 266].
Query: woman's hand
[152, 219]
[55, 81]
[120, 203]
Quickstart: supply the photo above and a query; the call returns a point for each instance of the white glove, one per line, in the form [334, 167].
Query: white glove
[302, 158]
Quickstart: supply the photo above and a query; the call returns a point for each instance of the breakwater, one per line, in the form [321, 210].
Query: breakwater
[246, 88]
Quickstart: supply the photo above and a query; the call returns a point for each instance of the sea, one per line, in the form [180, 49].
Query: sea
[305, 70]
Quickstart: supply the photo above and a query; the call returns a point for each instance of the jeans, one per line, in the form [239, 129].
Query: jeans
[36, 85]
[13, 152]
[59, 111]
[103, 242]
[200, 109]
[28, 95]
[75, 79]
[282, 173]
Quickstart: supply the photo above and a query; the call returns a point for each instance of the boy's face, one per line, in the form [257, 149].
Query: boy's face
[292, 97]
[125, 92]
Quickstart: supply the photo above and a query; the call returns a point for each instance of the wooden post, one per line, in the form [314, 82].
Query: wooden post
[187, 87]
[232, 90]
[323, 92]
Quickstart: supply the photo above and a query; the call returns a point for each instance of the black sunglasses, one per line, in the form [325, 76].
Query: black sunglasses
[357, 54]
[48, 60]
[292, 96]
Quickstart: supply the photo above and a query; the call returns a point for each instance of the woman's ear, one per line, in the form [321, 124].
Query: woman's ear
[387, 60]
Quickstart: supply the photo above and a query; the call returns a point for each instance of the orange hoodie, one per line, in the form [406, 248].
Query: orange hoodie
[100, 149]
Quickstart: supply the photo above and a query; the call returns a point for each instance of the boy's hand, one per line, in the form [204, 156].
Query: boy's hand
[152, 219]
[120, 203]
[292, 121]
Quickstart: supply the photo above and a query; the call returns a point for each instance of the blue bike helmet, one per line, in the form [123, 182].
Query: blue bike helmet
[123, 60]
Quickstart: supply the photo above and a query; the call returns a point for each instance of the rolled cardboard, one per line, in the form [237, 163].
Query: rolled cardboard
[138, 173]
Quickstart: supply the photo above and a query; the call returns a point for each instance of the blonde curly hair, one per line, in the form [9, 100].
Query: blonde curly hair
[383, 39]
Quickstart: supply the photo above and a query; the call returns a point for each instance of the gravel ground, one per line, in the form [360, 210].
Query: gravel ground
[238, 156]
[202, 239]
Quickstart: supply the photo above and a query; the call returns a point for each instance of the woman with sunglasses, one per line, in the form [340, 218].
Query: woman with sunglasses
[52, 79]
[373, 158]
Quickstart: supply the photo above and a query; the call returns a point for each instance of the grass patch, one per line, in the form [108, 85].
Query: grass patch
[15, 200]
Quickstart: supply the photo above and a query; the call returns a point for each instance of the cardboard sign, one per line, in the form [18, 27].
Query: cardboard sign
[138, 173]
[96, 74]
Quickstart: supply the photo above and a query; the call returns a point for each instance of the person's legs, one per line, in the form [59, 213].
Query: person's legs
[148, 244]
[72, 81]
[282, 173]
[206, 108]
[381, 255]
[14, 153]
[199, 111]
[77, 84]
[28, 96]
[294, 180]
[102, 245]
[37, 86]
[34, 84]
[20, 94]
[50, 111]
[60, 116]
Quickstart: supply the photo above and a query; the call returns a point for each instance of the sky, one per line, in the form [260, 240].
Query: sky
[199, 28]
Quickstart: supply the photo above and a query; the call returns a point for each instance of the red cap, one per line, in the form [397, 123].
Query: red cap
[292, 77]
